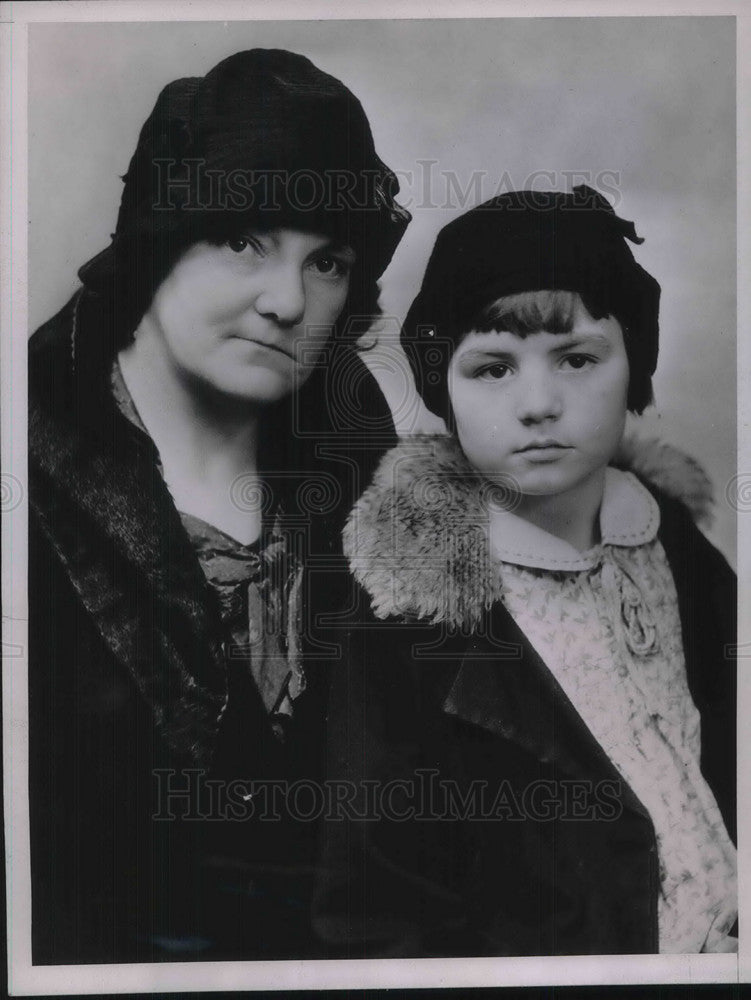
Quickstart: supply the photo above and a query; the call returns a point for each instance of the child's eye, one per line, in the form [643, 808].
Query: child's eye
[328, 266]
[578, 362]
[494, 372]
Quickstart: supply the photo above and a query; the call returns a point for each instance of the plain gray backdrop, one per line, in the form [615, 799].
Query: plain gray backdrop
[641, 108]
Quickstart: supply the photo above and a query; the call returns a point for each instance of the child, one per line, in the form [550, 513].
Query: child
[538, 714]
[177, 500]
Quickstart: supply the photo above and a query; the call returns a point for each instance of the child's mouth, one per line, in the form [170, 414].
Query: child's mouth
[543, 451]
[543, 446]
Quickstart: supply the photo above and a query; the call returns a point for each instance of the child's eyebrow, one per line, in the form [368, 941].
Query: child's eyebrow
[479, 353]
[563, 343]
[593, 340]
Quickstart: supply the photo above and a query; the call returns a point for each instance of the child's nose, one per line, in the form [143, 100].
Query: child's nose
[538, 398]
[282, 297]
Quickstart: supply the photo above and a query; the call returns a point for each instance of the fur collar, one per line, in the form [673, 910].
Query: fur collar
[417, 539]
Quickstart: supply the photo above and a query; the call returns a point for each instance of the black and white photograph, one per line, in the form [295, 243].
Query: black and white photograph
[373, 496]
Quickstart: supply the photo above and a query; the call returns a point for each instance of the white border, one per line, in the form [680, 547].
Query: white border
[370, 974]
[13, 296]
[743, 85]
[345, 10]
[280, 975]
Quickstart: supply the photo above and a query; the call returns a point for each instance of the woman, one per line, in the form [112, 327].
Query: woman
[189, 453]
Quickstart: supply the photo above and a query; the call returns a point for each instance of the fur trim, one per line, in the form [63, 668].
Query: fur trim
[670, 470]
[417, 539]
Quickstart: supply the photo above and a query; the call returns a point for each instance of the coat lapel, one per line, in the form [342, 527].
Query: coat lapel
[104, 508]
[417, 541]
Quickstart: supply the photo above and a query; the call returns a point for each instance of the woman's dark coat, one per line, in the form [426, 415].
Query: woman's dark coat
[128, 680]
[478, 815]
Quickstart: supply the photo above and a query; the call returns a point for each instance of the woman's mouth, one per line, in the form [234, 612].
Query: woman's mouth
[267, 345]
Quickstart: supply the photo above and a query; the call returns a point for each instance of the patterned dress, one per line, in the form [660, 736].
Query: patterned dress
[606, 624]
[258, 588]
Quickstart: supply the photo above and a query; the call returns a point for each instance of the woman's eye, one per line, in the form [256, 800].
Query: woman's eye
[492, 373]
[240, 243]
[578, 361]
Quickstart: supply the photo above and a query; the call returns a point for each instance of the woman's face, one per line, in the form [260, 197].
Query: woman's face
[249, 318]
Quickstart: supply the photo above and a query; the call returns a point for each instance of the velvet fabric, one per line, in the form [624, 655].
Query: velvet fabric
[129, 685]
[483, 817]
[264, 139]
[526, 241]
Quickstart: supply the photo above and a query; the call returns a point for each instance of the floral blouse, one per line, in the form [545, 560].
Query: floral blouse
[606, 624]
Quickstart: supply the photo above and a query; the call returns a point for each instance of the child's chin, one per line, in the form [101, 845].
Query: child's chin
[546, 482]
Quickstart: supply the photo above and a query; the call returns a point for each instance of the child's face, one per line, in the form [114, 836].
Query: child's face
[247, 319]
[548, 409]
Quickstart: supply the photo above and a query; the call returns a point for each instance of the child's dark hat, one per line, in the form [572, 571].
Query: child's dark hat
[528, 241]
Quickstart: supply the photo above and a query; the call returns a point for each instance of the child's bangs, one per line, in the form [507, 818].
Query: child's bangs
[551, 310]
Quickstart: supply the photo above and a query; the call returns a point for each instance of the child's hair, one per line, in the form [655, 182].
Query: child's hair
[267, 140]
[529, 312]
[518, 263]
[552, 310]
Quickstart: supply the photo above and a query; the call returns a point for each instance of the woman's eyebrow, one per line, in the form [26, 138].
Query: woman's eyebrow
[336, 246]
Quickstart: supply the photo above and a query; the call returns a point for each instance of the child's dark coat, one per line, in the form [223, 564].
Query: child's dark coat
[568, 864]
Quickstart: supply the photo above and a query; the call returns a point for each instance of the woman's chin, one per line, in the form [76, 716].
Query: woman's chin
[257, 387]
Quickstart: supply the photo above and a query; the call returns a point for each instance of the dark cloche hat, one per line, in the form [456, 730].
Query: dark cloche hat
[264, 136]
[528, 241]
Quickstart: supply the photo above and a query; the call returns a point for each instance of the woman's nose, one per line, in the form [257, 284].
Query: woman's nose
[538, 397]
[282, 297]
